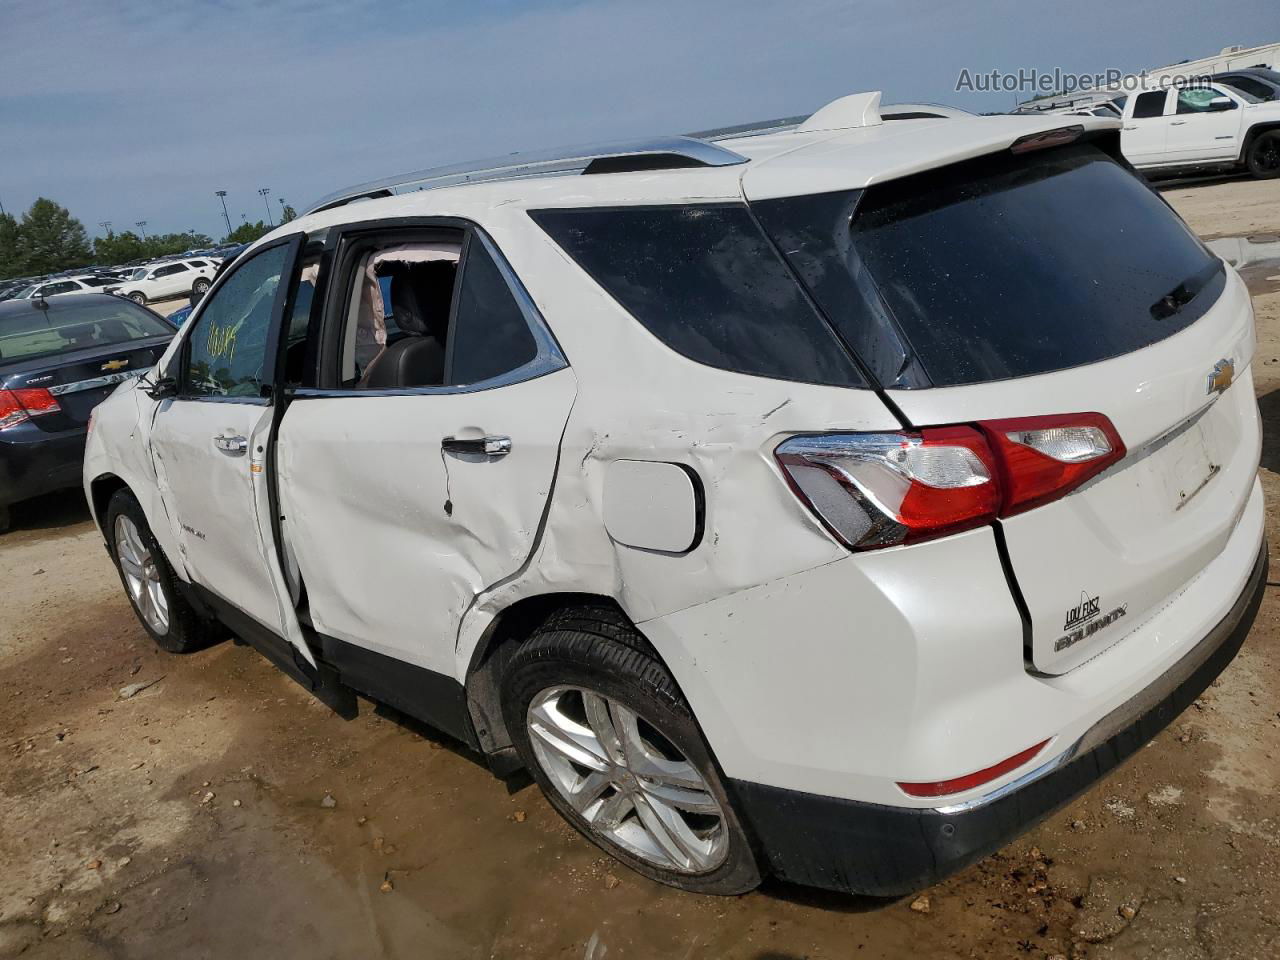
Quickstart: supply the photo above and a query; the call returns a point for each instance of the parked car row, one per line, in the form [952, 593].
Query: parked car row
[143, 282]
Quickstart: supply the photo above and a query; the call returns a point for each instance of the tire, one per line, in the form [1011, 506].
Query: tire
[592, 661]
[139, 298]
[200, 287]
[161, 608]
[6, 518]
[1264, 155]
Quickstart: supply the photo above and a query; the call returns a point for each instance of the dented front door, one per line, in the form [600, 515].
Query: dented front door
[401, 509]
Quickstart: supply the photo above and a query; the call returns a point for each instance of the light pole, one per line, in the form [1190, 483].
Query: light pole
[142, 225]
[262, 192]
[105, 225]
[222, 195]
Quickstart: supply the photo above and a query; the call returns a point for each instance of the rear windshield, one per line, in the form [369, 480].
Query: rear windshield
[28, 332]
[705, 280]
[1005, 266]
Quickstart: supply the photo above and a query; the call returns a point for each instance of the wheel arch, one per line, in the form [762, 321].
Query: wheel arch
[101, 489]
[1253, 133]
[503, 636]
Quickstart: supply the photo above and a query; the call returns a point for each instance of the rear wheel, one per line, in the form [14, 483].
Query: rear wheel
[138, 298]
[200, 287]
[1264, 155]
[150, 583]
[602, 727]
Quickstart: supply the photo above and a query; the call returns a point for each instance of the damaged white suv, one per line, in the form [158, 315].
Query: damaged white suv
[833, 502]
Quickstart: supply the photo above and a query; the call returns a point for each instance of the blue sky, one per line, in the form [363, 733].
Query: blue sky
[133, 111]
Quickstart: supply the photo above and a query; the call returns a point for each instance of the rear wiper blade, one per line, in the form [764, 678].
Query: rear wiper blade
[1172, 302]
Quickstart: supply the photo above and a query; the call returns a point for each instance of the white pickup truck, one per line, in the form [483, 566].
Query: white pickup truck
[1206, 126]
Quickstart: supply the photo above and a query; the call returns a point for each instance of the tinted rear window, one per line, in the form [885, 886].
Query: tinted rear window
[1005, 266]
[706, 281]
[28, 332]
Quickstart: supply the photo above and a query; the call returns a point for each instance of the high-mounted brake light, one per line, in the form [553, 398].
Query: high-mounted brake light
[19, 406]
[1048, 138]
[1044, 458]
[882, 489]
[942, 788]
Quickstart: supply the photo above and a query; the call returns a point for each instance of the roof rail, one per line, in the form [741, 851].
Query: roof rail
[619, 156]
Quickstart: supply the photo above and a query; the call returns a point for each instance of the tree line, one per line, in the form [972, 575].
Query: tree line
[48, 239]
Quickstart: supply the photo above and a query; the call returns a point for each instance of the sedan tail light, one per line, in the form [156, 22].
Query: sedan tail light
[882, 489]
[19, 406]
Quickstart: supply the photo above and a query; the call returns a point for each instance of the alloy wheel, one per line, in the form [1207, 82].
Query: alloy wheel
[141, 575]
[626, 780]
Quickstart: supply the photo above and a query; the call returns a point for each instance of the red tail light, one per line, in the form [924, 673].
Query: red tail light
[881, 489]
[18, 406]
[1043, 458]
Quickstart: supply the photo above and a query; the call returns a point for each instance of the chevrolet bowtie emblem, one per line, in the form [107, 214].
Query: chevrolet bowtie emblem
[1224, 371]
[121, 364]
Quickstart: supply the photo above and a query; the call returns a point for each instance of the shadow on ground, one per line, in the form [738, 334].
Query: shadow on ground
[1269, 408]
[49, 512]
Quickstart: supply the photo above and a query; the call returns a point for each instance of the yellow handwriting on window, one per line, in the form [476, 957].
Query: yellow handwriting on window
[221, 341]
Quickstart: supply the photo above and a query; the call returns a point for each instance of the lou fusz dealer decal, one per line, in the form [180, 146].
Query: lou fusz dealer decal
[1084, 620]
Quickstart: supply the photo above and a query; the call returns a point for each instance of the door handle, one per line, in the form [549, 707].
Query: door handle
[235, 446]
[488, 446]
[1134, 127]
[1177, 123]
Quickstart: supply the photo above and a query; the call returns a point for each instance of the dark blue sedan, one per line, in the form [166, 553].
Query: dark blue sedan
[59, 358]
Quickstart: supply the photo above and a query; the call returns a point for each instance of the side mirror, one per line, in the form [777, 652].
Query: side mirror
[196, 297]
[160, 389]
[1218, 104]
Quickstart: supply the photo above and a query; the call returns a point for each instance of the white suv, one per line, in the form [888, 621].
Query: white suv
[65, 286]
[832, 503]
[168, 279]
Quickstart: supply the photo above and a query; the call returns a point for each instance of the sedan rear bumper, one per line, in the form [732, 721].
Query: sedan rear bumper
[33, 461]
[868, 848]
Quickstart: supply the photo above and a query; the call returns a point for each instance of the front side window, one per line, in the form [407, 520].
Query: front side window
[228, 347]
[1200, 100]
[1149, 104]
[705, 280]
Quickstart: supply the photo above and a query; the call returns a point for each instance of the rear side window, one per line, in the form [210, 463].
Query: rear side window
[706, 282]
[490, 334]
[1149, 105]
[1005, 266]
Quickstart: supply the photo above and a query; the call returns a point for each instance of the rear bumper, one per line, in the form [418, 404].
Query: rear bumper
[881, 850]
[33, 461]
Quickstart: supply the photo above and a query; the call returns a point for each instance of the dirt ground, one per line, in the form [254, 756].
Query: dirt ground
[220, 812]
